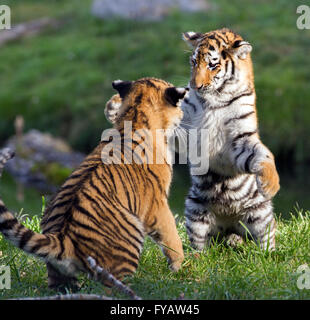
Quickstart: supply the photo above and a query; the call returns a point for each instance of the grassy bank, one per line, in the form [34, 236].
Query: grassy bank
[217, 273]
[61, 79]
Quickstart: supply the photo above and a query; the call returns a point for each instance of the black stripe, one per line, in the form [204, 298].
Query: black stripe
[237, 188]
[149, 83]
[118, 231]
[217, 40]
[108, 169]
[252, 220]
[243, 135]
[109, 222]
[131, 182]
[87, 214]
[54, 217]
[156, 178]
[189, 229]
[153, 223]
[190, 104]
[144, 119]
[226, 66]
[248, 161]
[122, 271]
[125, 219]
[8, 224]
[243, 116]
[242, 150]
[104, 249]
[260, 205]
[75, 175]
[25, 238]
[232, 68]
[61, 237]
[92, 184]
[224, 202]
[138, 99]
[61, 204]
[55, 226]
[111, 242]
[125, 188]
[238, 97]
[224, 82]
[40, 244]
[197, 200]
[222, 38]
[197, 216]
[61, 195]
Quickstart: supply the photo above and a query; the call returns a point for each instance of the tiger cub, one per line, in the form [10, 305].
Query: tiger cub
[242, 176]
[99, 218]
[234, 196]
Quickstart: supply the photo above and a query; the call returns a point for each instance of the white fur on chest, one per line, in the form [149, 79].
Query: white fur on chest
[220, 129]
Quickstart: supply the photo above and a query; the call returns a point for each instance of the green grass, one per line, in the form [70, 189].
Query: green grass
[60, 80]
[219, 272]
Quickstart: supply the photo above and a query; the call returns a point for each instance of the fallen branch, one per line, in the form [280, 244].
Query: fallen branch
[27, 29]
[69, 297]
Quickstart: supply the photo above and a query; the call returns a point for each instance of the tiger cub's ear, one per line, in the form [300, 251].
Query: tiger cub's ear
[241, 49]
[122, 87]
[173, 95]
[192, 38]
[112, 108]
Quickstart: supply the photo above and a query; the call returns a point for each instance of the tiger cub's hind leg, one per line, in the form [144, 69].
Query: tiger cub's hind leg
[199, 233]
[58, 281]
[261, 225]
[200, 224]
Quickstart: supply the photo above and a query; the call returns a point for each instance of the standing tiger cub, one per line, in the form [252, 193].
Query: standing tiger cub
[235, 194]
[99, 218]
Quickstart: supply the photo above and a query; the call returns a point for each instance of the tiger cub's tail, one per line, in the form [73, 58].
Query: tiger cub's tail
[25, 239]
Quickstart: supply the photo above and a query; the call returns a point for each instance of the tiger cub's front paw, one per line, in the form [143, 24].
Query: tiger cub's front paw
[112, 108]
[176, 265]
[268, 180]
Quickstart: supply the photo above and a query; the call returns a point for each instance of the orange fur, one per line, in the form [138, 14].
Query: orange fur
[269, 179]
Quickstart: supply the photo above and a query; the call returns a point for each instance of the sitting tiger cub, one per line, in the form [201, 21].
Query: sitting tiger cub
[99, 218]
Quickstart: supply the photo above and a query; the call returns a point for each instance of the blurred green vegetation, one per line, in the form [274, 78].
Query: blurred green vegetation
[60, 80]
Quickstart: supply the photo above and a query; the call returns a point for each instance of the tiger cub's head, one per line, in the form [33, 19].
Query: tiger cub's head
[148, 103]
[220, 60]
